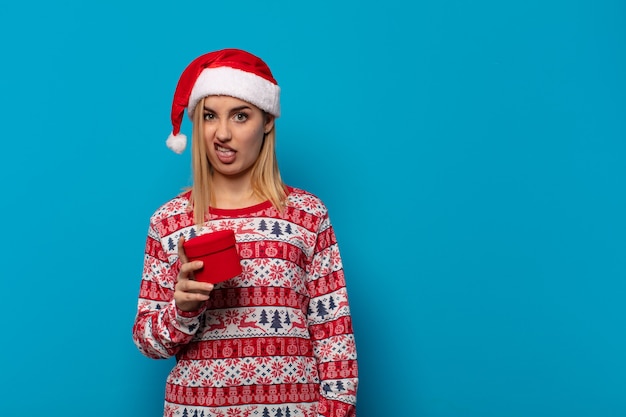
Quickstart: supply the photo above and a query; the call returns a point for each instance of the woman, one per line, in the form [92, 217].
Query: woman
[276, 340]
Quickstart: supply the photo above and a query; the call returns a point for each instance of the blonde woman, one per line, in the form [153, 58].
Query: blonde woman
[275, 340]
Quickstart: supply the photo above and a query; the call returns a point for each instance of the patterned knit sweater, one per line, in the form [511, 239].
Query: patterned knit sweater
[275, 341]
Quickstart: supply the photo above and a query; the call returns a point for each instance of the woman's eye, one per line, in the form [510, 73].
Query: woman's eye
[241, 117]
[209, 116]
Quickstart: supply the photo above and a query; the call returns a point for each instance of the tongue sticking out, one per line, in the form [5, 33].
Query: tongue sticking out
[225, 155]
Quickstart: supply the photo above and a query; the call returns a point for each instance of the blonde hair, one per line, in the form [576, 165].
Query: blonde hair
[266, 180]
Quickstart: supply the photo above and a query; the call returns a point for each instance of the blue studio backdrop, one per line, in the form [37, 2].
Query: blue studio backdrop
[472, 155]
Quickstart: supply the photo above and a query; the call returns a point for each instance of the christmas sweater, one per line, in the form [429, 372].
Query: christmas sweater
[275, 341]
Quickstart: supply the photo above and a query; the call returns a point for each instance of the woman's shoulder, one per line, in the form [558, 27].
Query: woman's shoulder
[176, 206]
[306, 201]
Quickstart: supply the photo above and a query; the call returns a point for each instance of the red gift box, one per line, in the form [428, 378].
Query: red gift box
[219, 253]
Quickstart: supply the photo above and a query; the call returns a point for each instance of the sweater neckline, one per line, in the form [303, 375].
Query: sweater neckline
[243, 210]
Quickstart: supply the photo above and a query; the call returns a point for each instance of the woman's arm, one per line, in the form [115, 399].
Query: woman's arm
[161, 328]
[330, 325]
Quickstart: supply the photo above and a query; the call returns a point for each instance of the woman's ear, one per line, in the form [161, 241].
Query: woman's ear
[269, 123]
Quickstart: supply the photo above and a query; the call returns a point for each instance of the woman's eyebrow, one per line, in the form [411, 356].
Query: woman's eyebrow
[235, 109]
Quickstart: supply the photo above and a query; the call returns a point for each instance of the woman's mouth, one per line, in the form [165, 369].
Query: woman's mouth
[224, 154]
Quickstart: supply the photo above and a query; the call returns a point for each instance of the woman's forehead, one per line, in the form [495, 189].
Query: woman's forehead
[226, 102]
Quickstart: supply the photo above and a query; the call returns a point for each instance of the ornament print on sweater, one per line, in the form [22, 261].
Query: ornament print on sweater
[275, 341]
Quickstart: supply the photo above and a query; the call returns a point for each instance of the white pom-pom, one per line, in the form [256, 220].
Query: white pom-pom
[177, 143]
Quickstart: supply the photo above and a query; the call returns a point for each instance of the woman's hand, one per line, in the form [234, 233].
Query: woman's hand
[189, 294]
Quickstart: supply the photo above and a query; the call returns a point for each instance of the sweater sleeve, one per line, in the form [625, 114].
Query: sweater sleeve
[161, 328]
[331, 327]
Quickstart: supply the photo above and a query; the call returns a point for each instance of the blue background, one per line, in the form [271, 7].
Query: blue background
[472, 155]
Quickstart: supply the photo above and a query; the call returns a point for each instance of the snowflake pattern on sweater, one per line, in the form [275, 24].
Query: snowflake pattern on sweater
[275, 341]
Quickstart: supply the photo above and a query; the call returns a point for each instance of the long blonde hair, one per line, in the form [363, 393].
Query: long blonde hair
[266, 180]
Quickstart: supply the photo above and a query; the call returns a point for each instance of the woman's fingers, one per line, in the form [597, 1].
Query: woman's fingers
[191, 286]
[186, 269]
[188, 293]
[181, 250]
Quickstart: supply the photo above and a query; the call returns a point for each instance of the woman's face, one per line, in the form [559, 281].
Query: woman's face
[233, 134]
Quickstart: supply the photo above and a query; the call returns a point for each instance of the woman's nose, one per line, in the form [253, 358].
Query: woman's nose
[223, 131]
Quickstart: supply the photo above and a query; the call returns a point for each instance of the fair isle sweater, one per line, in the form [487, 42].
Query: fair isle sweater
[275, 341]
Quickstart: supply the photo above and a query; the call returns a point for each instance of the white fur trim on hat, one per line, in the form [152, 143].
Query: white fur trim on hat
[236, 83]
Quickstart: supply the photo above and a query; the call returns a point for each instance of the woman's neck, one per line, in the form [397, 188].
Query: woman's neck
[229, 193]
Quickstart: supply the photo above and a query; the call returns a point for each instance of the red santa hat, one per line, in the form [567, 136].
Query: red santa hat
[228, 72]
